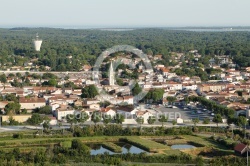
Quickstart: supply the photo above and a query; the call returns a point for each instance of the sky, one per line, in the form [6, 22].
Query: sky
[124, 13]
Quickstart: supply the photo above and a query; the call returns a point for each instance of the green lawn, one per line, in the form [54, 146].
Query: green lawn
[142, 142]
[199, 140]
[66, 144]
[172, 152]
[25, 149]
[25, 141]
[176, 141]
[113, 147]
[146, 144]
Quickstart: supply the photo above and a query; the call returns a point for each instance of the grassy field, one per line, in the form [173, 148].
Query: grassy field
[205, 146]
[28, 141]
[24, 149]
[204, 141]
[66, 144]
[113, 147]
[146, 144]
[209, 149]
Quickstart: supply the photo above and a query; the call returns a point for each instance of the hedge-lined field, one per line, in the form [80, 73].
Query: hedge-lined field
[24, 149]
[113, 147]
[145, 144]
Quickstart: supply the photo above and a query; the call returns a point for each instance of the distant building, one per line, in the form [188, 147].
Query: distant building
[86, 67]
[37, 43]
[111, 75]
[127, 111]
[240, 149]
[18, 118]
[63, 111]
[108, 111]
[53, 121]
[144, 114]
[31, 103]
[179, 121]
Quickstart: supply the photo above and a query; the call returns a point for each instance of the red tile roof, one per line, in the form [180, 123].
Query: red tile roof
[240, 147]
[165, 70]
[31, 100]
[105, 109]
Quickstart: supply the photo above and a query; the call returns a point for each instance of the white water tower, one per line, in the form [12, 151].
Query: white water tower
[37, 43]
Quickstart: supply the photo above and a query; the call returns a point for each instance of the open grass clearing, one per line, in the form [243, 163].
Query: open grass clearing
[172, 152]
[66, 144]
[208, 152]
[146, 144]
[28, 141]
[24, 149]
[113, 147]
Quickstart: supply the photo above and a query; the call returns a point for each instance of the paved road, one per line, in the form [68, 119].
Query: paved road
[66, 126]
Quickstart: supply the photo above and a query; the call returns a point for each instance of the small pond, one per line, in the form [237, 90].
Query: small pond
[126, 148]
[182, 146]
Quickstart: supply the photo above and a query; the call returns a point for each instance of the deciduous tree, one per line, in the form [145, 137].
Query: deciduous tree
[151, 119]
[162, 119]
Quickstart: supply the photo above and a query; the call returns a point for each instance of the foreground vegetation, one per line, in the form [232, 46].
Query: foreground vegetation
[63, 149]
[113, 147]
[145, 144]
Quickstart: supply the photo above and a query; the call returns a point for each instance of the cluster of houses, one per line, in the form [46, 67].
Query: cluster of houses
[64, 101]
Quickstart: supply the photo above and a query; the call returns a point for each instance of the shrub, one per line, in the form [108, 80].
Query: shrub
[18, 136]
[80, 147]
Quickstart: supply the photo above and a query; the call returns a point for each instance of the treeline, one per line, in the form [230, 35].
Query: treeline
[118, 130]
[65, 50]
[213, 106]
[220, 111]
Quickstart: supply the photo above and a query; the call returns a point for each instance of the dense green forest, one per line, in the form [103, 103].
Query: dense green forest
[85, 45]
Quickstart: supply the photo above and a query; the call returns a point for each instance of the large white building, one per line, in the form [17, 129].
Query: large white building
[31, 103]
[63, 111]
[108, 111]
[145, 115]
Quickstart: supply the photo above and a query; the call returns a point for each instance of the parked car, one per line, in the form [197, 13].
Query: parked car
[169, 106]
[199, 112]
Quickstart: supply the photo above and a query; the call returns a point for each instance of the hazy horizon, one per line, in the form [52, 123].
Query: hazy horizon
[122, 14]
[114, 27]
[219, 28]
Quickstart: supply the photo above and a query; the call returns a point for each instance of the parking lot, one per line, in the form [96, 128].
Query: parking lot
[186, 112]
